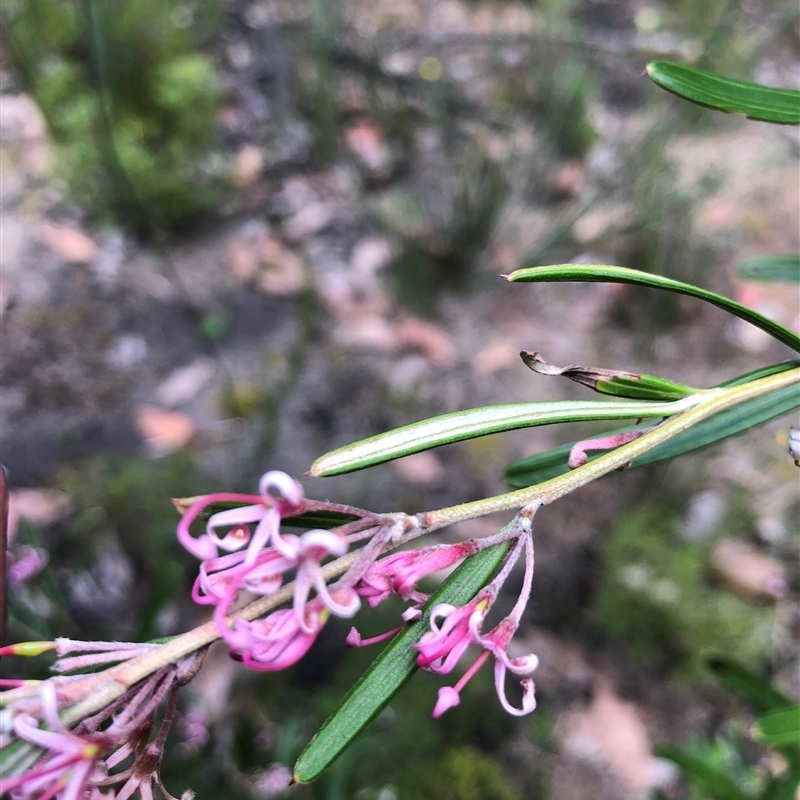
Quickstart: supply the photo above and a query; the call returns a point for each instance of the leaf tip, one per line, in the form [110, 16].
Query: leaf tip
[314, 471]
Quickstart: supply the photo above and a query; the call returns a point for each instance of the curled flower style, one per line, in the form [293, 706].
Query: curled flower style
[279, 496]
[257, 561]
[443, 645]
[68, 767]
[217, 576]
[441, 648]
[577, 455]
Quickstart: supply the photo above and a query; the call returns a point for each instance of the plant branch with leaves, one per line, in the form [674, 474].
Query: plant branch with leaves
[111, 703]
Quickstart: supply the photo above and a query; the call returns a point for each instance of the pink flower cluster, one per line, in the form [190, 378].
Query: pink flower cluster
[244, 549]
[257, 560]
[72, 763]
[441, 648]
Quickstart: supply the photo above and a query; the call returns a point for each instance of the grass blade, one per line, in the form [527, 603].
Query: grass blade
[779, 727]
[715, 784]
[734, 675]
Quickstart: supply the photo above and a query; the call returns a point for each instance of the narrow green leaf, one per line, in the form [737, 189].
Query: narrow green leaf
[308, 519]
[476, 422]
[393, 667]
[732, 422]
[761, 372]
[735, 676]
[758, 691]
[756, 101]
[318, 519]
[718, 785]
[604, 273]
[18, 757]
[645, 387]
[777, 268]
[779, 727]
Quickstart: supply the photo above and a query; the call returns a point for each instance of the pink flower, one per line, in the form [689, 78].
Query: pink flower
[441, 648]
[264, 556]
[496, 642]
[70, 761]
[312, 547]
[25, 563]
[277, 641]
[218, 575]
[402, 572]
[280, 496]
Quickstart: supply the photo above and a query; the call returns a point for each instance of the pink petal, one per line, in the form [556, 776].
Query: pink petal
[268, 525]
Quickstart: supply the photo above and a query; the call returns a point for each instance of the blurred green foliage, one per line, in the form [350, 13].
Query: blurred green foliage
[564, 109]
[130, 100]
[726, 755]
[133, 496]
[654, 599]
[442, 238]
[124, 502]
[467, 774]
[724, 769]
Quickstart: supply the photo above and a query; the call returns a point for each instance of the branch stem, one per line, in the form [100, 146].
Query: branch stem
[712, 402]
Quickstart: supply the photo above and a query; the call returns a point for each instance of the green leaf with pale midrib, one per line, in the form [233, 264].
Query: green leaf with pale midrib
[732, 422]
[756, 101]
[775, 268]
[393, 667]
[606, 273]
[474, 422]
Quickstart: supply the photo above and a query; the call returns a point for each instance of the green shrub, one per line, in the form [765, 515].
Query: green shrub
[130, 102]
